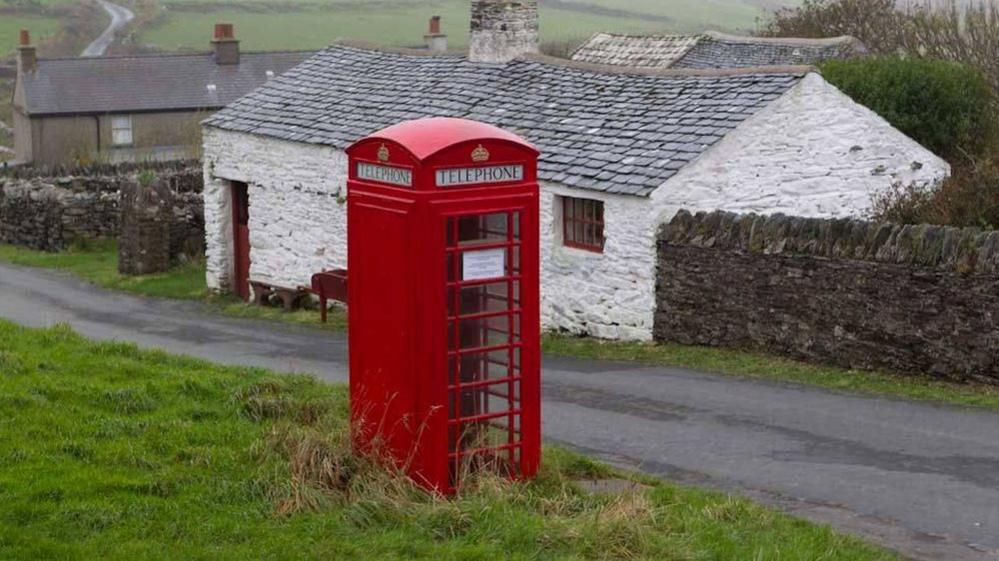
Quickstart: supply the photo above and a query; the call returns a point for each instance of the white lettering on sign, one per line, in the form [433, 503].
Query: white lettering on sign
[484, 264]
[474, 176]
[385, 174]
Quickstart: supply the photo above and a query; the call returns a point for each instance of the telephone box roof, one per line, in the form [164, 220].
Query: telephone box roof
[426, 137]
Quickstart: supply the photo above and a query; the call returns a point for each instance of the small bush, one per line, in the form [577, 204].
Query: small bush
[970, 197]
[145, 177]
[945, 106]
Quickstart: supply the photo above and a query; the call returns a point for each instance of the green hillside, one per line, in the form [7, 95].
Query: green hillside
[266, 25]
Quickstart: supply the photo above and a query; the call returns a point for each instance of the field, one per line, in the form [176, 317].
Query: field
[42, 27]
[118, 454]
[187, 24]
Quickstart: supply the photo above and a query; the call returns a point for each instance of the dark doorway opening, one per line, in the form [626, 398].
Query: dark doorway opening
[241, 239]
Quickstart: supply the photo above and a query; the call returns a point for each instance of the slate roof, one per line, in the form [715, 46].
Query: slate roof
[598, 128]
[711, 50]
[651, 51]
[119, 84]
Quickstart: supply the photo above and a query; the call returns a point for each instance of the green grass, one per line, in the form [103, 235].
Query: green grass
[114, 453]
[761, 366]
[97, 262]
[318, 28]
[11, 24]
[317, 24]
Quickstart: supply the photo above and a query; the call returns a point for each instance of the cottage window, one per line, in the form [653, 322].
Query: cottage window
[121, 130]
[583, 224]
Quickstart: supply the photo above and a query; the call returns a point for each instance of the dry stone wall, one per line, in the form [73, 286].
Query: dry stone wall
[49, 213]
[146, 213]
[916, 299]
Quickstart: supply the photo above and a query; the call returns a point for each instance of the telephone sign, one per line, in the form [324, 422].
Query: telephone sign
[444, 324]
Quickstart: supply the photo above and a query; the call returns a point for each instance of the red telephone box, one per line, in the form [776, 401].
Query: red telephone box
[442, 222]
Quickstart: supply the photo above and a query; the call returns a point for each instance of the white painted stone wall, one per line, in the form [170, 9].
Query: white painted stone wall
[298, 217]
[609, 294]
[813, 152]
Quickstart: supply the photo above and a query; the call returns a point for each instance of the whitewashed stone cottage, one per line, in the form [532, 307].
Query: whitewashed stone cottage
[622, 147]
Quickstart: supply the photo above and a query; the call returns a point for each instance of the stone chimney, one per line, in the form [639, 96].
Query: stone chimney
[436, 41]
[502, 30]
[225, 44]
[27, 57]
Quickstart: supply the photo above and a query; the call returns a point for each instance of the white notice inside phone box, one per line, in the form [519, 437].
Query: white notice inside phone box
[484, 264]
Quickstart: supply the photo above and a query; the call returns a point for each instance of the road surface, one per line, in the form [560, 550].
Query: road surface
[919, 478]
[120, 16]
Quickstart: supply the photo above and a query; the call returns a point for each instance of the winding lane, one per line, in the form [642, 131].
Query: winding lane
[120, 16]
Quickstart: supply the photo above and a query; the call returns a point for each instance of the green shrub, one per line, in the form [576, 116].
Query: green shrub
[970, 197]
[946, 106]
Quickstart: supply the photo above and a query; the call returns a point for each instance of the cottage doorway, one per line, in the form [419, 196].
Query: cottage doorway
[241, 239]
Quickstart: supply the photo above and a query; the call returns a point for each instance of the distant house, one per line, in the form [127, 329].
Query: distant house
[711, 50]
[129, 108]
[622, 149]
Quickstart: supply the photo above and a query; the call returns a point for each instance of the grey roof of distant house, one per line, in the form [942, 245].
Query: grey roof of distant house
[598, 128]
[711, 50]
[124, 84]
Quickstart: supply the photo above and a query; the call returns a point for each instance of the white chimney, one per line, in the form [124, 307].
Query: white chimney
[502, 30]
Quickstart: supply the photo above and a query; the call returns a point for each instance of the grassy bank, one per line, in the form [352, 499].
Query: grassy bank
[114, 453]
[96, 262]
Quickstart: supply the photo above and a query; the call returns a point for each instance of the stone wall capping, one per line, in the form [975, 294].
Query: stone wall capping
[46, 212]
[917, 299]
[963, 250]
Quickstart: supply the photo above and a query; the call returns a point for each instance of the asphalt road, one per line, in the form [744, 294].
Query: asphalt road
[120, 16]
[919, 478]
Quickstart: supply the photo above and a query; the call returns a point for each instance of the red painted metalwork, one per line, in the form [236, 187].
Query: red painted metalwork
[583, 224]
[330, 285]
[241, 240]
[443, 254]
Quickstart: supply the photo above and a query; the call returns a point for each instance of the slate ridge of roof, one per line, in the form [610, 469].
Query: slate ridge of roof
[603, 128]
[711, 49]
[148, 83]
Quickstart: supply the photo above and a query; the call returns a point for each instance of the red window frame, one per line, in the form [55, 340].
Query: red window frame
[583, 224]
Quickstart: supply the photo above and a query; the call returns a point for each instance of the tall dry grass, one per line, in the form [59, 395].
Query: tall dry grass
[308, 464]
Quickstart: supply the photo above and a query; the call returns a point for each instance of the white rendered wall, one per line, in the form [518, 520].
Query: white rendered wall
[611, 294]
[298, 216]
[813, 152]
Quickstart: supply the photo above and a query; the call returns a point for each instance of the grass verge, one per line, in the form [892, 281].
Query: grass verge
[97, 262]
[765, 367]
[115, 453]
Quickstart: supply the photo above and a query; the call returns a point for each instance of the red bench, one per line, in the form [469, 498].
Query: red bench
[330, 285]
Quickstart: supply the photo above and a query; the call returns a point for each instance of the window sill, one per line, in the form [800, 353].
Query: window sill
[576, 253]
